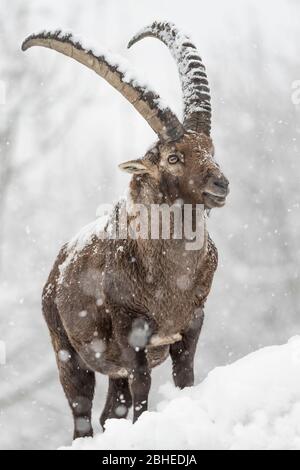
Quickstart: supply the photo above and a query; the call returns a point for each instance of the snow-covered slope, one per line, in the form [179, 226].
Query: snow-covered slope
[251, 404]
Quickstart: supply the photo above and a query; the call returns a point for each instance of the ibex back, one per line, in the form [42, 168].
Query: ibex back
[120, 307]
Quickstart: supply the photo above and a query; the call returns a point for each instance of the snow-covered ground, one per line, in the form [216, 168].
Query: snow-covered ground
[253, 403]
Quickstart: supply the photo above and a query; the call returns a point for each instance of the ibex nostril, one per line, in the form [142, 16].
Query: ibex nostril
[221, 183]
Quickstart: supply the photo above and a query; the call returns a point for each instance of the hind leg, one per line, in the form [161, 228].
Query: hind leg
[79, 384]
[118, 401]
[183, 352]
[77, 380]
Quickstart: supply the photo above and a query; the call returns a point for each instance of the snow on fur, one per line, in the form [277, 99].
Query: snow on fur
[253, 403]
[83, 238]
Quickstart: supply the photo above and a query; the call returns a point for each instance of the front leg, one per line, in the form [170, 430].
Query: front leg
[134, 340]
[183, 353]
[140, 383]
[118, 400]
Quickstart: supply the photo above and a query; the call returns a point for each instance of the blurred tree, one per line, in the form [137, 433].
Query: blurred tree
[23, 96]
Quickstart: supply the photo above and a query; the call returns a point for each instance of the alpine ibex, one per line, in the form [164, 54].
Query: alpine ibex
[115, 306]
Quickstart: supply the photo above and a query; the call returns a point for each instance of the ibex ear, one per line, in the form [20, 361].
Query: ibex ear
[137, 167]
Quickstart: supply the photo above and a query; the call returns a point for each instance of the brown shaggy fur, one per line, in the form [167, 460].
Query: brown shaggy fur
[113, 287]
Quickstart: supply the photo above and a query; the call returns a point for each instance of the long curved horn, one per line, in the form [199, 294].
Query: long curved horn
[162, 120]
[194, 83]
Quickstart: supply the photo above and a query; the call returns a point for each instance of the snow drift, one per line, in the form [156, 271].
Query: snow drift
[251, 404]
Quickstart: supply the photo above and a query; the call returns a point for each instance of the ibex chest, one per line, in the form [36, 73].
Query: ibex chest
[175, 287]
[168, 285]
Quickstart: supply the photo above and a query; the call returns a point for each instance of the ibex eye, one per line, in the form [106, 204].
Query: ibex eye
[173, 159]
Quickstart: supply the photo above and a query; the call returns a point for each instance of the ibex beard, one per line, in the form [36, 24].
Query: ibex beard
[121, 305]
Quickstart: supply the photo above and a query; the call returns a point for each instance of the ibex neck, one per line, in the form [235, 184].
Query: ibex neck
[167, 223]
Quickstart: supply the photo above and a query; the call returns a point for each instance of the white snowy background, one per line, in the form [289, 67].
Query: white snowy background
[63, 131]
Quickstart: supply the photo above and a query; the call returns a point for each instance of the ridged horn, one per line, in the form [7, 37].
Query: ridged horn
[194, 83]
[162, 120]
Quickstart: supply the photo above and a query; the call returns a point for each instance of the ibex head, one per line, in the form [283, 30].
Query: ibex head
[181, 165]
